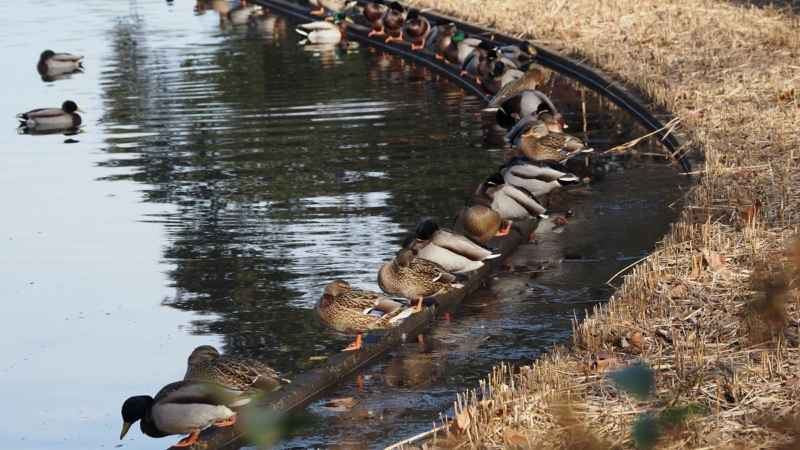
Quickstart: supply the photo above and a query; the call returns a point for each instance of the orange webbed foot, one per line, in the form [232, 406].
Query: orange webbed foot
[187, 441]
[505, 230]
[355, 345]
[319, 11]
[227, 422]
[418, 306]
[438, 56]
[376, 32]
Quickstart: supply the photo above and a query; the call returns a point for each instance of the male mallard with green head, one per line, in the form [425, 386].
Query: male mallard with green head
[246, 374]
[183, 407]
[415, 278]
[356, 311]
[460, 47]
[66, 117]
[453, 251]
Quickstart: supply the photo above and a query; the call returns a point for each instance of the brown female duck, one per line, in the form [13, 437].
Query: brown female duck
[355, 311]
[247, 374]
[415, 278]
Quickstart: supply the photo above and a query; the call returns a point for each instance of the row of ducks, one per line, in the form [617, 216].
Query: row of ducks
[507, 73]
[432, 261]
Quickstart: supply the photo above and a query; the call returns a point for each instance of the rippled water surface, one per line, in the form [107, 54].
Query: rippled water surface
[223, 177]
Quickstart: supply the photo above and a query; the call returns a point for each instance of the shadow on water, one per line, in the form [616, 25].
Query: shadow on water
[290, 168]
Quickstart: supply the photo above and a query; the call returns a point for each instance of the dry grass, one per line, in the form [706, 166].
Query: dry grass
[714, 311]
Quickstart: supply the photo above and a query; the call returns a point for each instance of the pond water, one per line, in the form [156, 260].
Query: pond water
[223, 177]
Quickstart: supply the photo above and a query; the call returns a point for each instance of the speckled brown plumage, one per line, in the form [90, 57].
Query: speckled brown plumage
[206, 364]
[414, 278]
[353, 311]
[477, 219]
[535, 76]
[539, 143]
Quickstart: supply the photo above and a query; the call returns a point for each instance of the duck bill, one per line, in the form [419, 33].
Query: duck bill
[80, 110]
[125, 427]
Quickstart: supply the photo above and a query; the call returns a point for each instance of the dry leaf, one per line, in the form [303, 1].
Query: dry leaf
[714, 437]
[791, 381]
[339, 404]
[677, 292]
[651, 283]
[749, 214]
[605, 363]
[637, 340]
[517, 438]
[461, 421]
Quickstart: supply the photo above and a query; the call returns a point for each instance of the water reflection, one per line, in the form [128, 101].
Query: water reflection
[272, 170]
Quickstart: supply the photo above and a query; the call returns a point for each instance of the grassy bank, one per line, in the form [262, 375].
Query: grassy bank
[711, 317]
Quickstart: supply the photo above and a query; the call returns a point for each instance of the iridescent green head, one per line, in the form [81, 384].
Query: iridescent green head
[47, 54]
[458, 37]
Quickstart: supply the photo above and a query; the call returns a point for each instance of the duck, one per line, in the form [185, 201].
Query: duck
[534, 76]
[439, 39]
[553, 122]
[373, 12]
[393, 22]
[183, 407]
[65, 117]
[520, 54]
[538, 177]
[355, 311]
[524, 103]
[416, 29]
[512, 202]
[415, 278]
[469, 66]
[539, 143]
[453, 251]
[52, 64]
[333, 6]
[498, 77]
[477, 219]
[246, 374]
[325, 31]
[460, 47]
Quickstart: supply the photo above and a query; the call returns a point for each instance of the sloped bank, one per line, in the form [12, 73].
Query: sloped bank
[712, 313]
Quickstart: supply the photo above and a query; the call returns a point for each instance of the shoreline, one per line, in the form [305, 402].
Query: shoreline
[711, 315]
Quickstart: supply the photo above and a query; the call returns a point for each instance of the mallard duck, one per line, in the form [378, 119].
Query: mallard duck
[453, 251]
[499, 76]
[324, 31]
[355, 311]
[66, 117]
[393, 21]
[416, 29]
[439, 39]
[331, 5]
[470, 64]
[460, 46]
[477, 219]
[373, 12]
[534, 76]
[52, 64]
[520, 54]
[525, 103]
[415, 278]
[183, 407]
[270, 25]
[539, 143]
[554, 123]
[512, 202]
[538, 177]
[246, 374]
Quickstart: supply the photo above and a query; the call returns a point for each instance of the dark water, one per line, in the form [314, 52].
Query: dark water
[224, 177]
